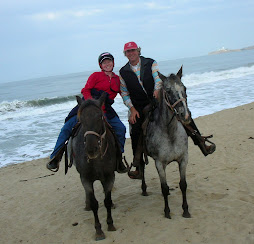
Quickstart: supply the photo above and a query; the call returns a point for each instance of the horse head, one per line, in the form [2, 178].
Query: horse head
[174, 95]
[91, 117]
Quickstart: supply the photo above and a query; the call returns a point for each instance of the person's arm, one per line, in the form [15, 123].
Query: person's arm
[127, 101]
[157, 80]
[125, 93]
[86, 91]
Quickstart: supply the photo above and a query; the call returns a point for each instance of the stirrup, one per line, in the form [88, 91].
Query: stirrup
[125, 165]
[57, 157]
[204, 147]
[203, 138]
[55, 169]
[206, 139]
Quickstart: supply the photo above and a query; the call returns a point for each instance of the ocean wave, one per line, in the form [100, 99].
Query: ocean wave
[195, 79]
[17, 105]
[250, 64]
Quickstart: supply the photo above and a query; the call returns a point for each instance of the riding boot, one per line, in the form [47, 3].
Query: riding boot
[206, 149]
[53, 164]
[121, 168]
[199, 140]
[137, 159]
[135, 174]
[138, 155]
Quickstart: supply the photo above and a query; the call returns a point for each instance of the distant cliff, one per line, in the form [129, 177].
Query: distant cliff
[225, 50]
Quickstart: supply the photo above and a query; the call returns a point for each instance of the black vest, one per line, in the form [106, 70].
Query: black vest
[138, 96]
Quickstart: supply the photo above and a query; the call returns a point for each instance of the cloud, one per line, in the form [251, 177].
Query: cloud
[45, 16]
[93, 10]
[156, 6]
[49, 16]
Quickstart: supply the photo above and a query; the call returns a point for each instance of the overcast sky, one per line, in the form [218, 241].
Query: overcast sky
[54, 37]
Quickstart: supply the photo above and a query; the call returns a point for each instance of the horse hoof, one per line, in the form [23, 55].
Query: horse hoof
[87, 208]
[99, 237]
[111, 228]
[186, 215]
[144, 194]
[168, 216]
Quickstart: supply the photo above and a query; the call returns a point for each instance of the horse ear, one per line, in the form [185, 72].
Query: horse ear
[79, 100]
[162, 77]
[102, 98]
[180, 72]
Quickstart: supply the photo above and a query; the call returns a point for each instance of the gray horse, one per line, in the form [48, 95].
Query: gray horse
[166, 139]
[94, 154]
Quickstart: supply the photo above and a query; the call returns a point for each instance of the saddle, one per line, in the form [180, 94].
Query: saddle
[190, 129]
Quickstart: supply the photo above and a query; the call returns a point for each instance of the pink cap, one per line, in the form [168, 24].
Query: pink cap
[129, 46]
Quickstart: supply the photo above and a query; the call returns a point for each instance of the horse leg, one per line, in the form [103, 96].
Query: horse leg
[99, 235]
[183, 187]
[164, 187]
[87, 190]
[107, 186]
[143, 184]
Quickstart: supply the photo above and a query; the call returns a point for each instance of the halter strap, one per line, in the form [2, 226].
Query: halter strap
[172, 107]
[101, 138]
[90, 132]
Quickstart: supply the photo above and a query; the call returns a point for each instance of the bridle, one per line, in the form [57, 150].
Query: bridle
[172, 107]
[101, 138]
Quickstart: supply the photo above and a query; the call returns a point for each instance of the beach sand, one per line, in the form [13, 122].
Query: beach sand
[39, 206]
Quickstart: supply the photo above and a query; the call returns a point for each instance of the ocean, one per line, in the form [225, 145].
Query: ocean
[32, 112]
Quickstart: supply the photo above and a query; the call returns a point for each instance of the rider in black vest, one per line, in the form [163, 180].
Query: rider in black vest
[139, 85]
[140, 97]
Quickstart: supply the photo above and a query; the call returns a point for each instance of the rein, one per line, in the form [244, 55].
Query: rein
[101, 138]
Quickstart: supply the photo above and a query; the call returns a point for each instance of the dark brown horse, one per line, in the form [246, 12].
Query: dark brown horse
[94, 154]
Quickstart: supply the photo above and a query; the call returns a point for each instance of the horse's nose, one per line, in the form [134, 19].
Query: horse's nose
[92, 150]
[188, 116]
[185, 115]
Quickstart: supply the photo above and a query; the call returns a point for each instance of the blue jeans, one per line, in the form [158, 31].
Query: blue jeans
[64, 134]
[119, 129]
[66, 130]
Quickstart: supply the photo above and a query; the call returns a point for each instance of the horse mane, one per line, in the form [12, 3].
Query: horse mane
[87, 103]
[175, 78]
[160, 99]
[172, 76]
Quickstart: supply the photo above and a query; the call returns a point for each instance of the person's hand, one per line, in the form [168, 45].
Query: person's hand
[156, 93]
[134, 114]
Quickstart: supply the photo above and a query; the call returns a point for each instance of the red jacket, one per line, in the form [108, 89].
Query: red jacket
[100, 81]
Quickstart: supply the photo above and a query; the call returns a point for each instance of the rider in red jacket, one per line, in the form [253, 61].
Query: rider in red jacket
[104, 81]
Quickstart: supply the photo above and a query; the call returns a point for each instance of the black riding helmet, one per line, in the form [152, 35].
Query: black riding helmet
[105, 55]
